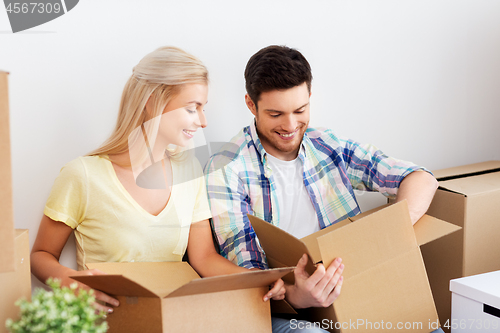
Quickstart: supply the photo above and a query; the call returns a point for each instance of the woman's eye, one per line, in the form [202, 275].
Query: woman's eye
[191, 111]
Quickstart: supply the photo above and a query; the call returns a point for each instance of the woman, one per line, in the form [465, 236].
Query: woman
[133, 199]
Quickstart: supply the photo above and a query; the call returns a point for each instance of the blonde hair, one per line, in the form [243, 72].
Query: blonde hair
[158, 77]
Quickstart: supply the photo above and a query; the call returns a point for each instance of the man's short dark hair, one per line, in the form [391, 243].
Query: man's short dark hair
[276, 68]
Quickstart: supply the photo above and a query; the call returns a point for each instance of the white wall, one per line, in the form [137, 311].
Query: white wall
[420, 79]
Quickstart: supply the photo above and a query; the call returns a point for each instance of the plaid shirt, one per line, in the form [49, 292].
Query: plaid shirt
[240, 182]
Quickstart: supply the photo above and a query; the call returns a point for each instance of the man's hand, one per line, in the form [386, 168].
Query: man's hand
[320, 289]
[277, 291]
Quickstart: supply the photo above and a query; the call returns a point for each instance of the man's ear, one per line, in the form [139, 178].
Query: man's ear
[251, 105]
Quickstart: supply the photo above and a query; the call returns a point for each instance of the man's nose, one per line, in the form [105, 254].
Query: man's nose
[290, 123]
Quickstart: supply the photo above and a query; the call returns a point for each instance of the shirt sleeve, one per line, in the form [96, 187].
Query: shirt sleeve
[369, 169]
[230, 205]
[68, 198]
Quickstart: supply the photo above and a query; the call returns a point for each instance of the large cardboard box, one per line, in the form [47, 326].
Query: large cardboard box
[7, 256]
[385, 283]
[171, 297]
[475, 303]
[17, 284]
[468, 197]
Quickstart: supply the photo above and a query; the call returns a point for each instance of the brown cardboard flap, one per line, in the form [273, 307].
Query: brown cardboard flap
[282, 306]
[371, 240]
[117, 285]
[241, 311]
[280, 245]
[466, 169]
[369, 212]
[246, 280]
[429, 228]
[394, 291]
[311, 241]
[473, 185]
[159, 277]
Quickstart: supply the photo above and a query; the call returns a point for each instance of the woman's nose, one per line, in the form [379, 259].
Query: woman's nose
[202, 119]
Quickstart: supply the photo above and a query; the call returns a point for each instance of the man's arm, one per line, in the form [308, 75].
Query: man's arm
[230, 204]
[417, 189]
[392, 177]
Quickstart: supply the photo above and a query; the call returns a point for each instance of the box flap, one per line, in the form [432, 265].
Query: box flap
[429, 228]
[369, 212]
[426, 229]
[281, 306]
[371, 240]
[250, 279]
[311, 241]
[279, 245]
[159, 277]
[482, 288]
[465, 170]
[384, 274]
[473, 185]
[115, 285]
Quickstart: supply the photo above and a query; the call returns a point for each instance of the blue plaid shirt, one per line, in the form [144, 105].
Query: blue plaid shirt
[240, 182]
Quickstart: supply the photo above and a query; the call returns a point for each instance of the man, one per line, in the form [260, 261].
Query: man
[298, 178]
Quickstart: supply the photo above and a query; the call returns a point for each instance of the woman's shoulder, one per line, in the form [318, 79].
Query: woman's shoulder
[83, 164]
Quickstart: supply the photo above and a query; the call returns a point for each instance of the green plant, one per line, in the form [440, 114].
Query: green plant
[59, 310]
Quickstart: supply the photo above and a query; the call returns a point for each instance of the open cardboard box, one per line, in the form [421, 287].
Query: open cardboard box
[171, 297]
[385, 282]
[7, 255]
[469, 197]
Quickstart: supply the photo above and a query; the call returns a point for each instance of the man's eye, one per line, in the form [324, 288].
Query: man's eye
[299, 111]
[275, 115]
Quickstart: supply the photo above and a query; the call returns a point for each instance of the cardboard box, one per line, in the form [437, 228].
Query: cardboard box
[468, 197]
[170, 297]
[17, 284]
[476, 303]
[7, 256]
[385, 283]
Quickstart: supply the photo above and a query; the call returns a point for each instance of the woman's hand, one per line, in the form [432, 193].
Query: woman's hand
[99, 296]
[277, 291]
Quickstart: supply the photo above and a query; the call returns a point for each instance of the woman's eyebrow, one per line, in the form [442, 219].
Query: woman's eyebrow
[197, 103]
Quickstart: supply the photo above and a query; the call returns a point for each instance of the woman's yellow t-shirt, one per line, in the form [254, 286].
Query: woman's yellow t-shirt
[110, 226]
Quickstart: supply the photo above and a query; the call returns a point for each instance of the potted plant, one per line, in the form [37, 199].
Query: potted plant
[61, 309]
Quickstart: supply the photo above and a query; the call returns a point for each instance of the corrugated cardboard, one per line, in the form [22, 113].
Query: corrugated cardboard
[170, 297]
[17, 284]
[7, 256]
[468, 197]
[384, 275]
